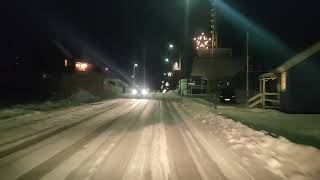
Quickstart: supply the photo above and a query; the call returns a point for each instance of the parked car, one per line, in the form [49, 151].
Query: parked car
[227, 96]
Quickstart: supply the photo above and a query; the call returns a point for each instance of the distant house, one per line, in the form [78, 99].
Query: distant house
[82, 73]
[293, 87]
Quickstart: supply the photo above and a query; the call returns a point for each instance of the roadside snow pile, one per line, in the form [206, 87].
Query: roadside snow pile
[10, 112]
[82, 96]
[279, 155]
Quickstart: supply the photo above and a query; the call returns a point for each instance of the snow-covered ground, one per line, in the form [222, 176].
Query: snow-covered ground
[149, 140]
[278, 155]
[21, 129]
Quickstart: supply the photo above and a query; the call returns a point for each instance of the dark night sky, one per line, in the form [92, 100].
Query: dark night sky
[117, 31]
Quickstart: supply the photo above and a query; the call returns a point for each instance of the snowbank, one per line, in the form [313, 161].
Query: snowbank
[278, 155]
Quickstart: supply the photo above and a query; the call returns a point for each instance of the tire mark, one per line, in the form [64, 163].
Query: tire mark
[115, 165]
[183, 164]
[91, 163]
[53, 114]
[37, 139]
[45, 167]
[205, 165]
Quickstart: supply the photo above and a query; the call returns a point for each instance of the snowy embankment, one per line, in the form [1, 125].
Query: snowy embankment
[79, 97]
[254, 148]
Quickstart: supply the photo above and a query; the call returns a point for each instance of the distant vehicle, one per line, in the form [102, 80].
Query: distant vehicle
[227, 96]
[139, 92]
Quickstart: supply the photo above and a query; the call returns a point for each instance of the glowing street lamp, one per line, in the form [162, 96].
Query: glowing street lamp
[167, 59]
[171, 46]
[134, 73]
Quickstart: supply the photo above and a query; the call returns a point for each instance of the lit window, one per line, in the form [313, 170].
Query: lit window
[80, 66]
[283, 81]
[65, 63]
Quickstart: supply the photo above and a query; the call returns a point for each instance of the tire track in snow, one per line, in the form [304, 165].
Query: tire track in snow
[34, 138]
[45, 167]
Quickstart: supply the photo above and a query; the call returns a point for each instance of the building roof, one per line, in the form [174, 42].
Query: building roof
[302, 56]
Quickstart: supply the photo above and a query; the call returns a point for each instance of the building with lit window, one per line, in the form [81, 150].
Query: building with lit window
[82, 73]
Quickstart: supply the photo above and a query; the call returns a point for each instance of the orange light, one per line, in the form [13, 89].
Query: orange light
[283, 81]
[80, 66]
[65, 62]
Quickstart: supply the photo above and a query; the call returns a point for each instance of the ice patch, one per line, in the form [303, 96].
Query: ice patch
[203, 121]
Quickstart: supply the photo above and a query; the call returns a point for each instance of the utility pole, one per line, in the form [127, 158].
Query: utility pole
[134, 74]
[144, 66]
[247, 44]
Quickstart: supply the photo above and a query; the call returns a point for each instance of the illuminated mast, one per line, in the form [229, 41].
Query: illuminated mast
[213, 25]
[207, 45]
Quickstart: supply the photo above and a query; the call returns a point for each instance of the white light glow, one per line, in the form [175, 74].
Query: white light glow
[144, 92]
[134, 91]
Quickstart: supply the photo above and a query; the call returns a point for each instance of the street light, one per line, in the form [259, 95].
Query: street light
[171, 46]
[134, 74]
[167, 59]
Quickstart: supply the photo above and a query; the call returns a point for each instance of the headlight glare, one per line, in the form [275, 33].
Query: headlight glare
[144, 92]
[134, 91]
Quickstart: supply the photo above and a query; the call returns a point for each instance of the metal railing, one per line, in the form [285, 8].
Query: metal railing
[261, 98]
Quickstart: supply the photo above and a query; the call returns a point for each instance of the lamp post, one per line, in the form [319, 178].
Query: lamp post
[247, 74]
[134, 74]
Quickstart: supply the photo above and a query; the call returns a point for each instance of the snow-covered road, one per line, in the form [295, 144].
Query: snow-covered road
[139, 139]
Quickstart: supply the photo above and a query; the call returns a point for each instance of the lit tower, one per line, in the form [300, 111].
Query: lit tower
[206, 44]
[202, 44]
[213, 25]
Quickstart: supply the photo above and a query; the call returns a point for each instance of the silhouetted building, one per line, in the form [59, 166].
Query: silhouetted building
[219, 69]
